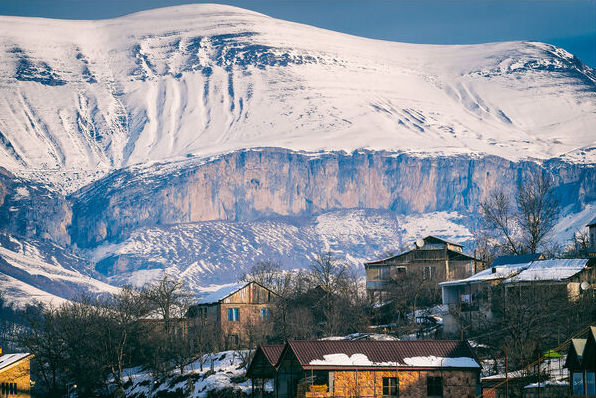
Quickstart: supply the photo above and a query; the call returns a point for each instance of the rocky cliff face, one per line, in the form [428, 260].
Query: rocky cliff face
[255, 184]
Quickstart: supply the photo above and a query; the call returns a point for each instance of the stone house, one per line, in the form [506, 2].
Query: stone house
[15, 374]
[240, 313]
[422, 368]
[433, 258]
[581, 363]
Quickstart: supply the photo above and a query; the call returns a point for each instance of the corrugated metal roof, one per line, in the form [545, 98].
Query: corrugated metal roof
[392, 353]
[273, 352]
[510, 260]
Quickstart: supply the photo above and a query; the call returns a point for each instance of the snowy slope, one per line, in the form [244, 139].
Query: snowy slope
[207, 79]
[33, 270]
[220, 252]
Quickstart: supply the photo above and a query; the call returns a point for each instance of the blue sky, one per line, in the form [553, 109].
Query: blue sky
[570, 24]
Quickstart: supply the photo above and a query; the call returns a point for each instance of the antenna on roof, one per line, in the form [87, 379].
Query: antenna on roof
[584, 286]
[420, 243]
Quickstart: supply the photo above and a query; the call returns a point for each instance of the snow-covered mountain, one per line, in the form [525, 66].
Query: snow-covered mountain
[147, 141]
[90, 96]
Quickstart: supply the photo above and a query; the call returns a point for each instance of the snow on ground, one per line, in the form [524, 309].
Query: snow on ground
[32, 270]
[219, 252]
[223, 370]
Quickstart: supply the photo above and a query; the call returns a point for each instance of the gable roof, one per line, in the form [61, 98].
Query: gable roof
[431, 238]
[263, 362]
[226, 291]
[591, 223]
[273, 352]
[7, 360]
[345, 354]
[515, 259]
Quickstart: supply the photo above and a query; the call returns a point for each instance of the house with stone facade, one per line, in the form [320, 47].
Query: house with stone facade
[239, 312]
[421, 368]
[15, 374]
[433, 259]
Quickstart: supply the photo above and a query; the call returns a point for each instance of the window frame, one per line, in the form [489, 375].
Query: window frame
[233, 314]
[390, 386]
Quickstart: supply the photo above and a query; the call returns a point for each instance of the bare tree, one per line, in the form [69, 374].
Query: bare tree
[499, 215]
[168, 299]
[538, 210]
[523, 226]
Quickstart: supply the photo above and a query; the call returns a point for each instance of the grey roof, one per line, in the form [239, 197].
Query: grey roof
[515, 259]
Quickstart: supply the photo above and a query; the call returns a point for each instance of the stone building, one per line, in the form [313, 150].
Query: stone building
[433, 258]
[15, 374]
[422, 368]
[240, 313]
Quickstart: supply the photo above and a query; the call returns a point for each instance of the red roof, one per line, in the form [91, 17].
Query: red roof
[380, 352]
[272, 352]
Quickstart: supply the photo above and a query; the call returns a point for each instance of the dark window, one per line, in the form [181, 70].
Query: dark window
[233, 340]
[390, 386]
[434, 386]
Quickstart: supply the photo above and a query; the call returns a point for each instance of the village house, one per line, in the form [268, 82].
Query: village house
[432, 258]
[473, 296]
[15, 374]
[339, 368]
[238, 312]
[581, 362]
[261, 369]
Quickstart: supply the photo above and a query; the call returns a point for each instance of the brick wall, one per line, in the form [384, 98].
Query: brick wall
[20, 374]
[412, 384]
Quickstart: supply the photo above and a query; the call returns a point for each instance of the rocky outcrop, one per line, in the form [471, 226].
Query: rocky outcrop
[254, 184]
[33, 210]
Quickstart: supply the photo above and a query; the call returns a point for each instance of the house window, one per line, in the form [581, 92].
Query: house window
[578, 383]
[265, 313]
[390, 386]
[591, 383]
[429, 273]
[434, 386]
[233, 314]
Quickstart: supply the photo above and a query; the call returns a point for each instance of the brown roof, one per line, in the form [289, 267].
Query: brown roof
[272, 352]
[380, 352]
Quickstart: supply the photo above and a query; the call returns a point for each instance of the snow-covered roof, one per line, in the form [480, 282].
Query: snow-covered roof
[541, 270]
[493, 273]
[221, 293]
[550, 270]
[10, 359]
[383, 354]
